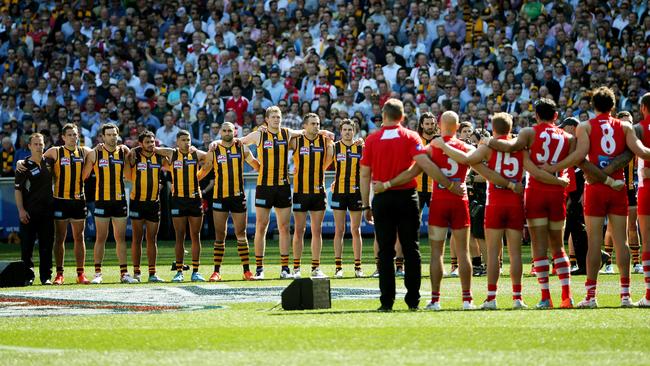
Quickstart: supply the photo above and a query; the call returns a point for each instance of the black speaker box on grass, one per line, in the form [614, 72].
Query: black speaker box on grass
[15, 274]
[307, 293]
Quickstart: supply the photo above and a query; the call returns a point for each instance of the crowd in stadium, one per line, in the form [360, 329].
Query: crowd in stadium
[167, 79]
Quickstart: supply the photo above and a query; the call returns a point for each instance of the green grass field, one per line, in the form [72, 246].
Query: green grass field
[349, 333]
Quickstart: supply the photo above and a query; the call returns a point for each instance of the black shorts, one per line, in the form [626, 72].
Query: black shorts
[184, 207]
[234, 204]
[109, 209]
[346, 201]
[273, 196]
[70, 209]
[303, 202]
[425, 199]
[631, 198]
[145, 210]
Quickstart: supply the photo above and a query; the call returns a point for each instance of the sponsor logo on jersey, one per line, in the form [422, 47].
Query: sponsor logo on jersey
[355, 156]
[222, 159]
[304, 150]
[317, 149]
[103, 163]
[65, 161]
[142, 166]
[340, 157]
[268, 144]
[178, 164]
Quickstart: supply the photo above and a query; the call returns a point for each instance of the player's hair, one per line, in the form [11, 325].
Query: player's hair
[108, 126]
[68, 126]
[347, 121]
[182, 133]
[545, 108]
[603, 99]
[501, 123]
[271, 109]
[645, 100]
[424, 116]
[393, 110]
[146, 134]
[35, 135]
[309, 115]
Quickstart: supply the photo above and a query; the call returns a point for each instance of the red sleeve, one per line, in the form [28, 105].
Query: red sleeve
[366, 156]
[415, 145]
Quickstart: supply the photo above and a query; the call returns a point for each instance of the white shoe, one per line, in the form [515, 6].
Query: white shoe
[138, 277]
[338, 273]
[434, 306]
[468, 305]
[626, 302]
[97, 279]
[317, 273]
[296, 273]
[126, 278]
[285, 274]
[375, 274]
[588, 304]
[519, 304]
[643, 303]
[358, 273]
[259, 275]
[454, 273]
[488, 305]
[574, 268]
[399, 273]
[608, 269]
[638, 268]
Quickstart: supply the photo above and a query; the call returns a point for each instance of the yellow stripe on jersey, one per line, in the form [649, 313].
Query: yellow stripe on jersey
[185, 168]
[273, 154]
[109, 166]
[228, 165]
[68, 182]
[146, 178]
[346, 163]
[309, 161]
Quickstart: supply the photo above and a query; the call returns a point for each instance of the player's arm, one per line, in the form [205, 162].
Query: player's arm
[205, 169]
[52, 153]
[164, 151]
[634, 143]
[581, 150]
[471, 157]
[251, 159]
[201, 155]
[329, 153]
[540, 174]
[252, 138]
[624, 159]
[496, 178]
[89, 161]
[207, 188]
[19, 181]
[521, 142]
[364, 185]
[127, 166]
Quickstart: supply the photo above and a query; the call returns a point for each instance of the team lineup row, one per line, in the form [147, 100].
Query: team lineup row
[544, 151]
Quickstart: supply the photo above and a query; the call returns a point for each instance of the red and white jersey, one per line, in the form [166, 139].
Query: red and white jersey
[645, 126]
[453, 170]
[511, 166]
[606, 141]
[550, 145]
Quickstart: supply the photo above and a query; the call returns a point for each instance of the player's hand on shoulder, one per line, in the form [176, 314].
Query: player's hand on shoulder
[484, 141]
[438, 142]
[20, 166]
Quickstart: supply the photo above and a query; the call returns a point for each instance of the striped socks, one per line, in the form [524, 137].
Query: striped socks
[645, 261]
[563, 269]
[541, 266]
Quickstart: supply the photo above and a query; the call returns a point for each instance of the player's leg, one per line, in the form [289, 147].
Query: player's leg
[644, 225]
[514, 238]
[618, 224]
[101, 234]
[78, 227]
[60, 233]
[298, 244]
[437, 236]
[220, 219]
[240, 221]
[538, 229]
[316, 221]
[594, 241]
[137, 233]
[180, 227]
[196, 222]
[152, 249]
[399, 259]
[461, 241]
[119, 231]
[408, 225]
[561, 262]
[339, 232]
[262, 216]
[355, 230]
[453, 258]
[609, 249]
[633, 239]
[283, 217]
[493, 240]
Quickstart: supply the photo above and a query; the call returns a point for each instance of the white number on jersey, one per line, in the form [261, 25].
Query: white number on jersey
[453, 168]
[507, 165]
[607, 142]
[543, 158]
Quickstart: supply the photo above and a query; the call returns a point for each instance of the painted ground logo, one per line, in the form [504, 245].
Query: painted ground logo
[140, 299]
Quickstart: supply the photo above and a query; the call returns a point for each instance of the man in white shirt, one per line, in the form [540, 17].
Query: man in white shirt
[391, 68]
[40, 94]
[167, 133]
[289, 60]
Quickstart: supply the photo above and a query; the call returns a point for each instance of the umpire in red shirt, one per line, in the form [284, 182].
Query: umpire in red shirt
[387, 153]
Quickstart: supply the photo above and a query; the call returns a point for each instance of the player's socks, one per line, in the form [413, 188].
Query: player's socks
[218, 252]
[296, 263]
[625, 287]
[136, 270]
[476, 261]
[516, 292]
[357, 264]
[541, 266]
[563, 269]
[467, 295]
[338, 262]
[179, 266]
[259, 262]
[195, 265]
[435, 296]
[315, 263]
[645, 258]
[454, 262]
[377, 262]
[59, 270]
[399, 263]
[609, 248]
[635, 248]
[590, 288]
[152, 269]
[284, 260]
[244, 254]
[98, 268]
[491, 291]
[572, 260]
[80, 270]
[123, 269]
